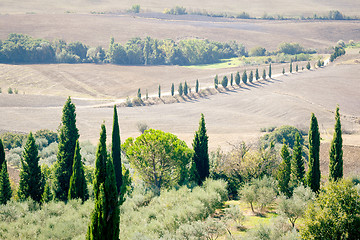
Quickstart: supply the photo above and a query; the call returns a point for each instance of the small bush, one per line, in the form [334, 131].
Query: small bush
[10, 91]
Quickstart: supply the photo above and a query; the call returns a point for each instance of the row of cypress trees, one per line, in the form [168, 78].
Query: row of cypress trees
[295, 169]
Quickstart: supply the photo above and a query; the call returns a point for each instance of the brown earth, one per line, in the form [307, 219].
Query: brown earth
[255, 7]
[96, 30]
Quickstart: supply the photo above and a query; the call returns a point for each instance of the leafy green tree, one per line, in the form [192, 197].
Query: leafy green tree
[264, 74]
[216, 81]
[78, 187]
[251, 76]
[313, 176]
[197, 86]
[224, 82]
[31, 180]
[244, 77]
[172, 89]
[334, 214]
[139, 94]
[105, 218]
[284, 171]
[336, 152]
[159, 91]
[270, 70]
[231, 79]
[67, 140]
[180, 90]
[295, 207]
[248, 193]
[291, 67]
[160, 159]
[237, 78]
[185, 89]
[308, 66]
[5, 187]
[257, 76]
[116, 150]
[298, 168]
[201, 154]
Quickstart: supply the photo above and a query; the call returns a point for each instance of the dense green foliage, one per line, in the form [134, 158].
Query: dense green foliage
[67, 140]
[2, 154]
[284, 171]
[335, 214]
[160, 159]
[146, 217]
[78, 185]
[337, 53]
[298, 164]
[201, 152]
[281, 133]
[313, 175]
[116, 150]
[336, 152]
[31, 180]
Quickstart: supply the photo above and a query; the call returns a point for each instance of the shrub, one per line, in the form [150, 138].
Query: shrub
[135, 8]
[284, 132]
[10, 91]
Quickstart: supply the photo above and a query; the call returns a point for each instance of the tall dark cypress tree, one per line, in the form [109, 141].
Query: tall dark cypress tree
[31, 180]
[336, 152]
[201, 154]
[180, 90]
[251, 76]
[313, 175]
[159, 91]
[244, 77]
[197, 86]
[116, 150]
[298, 168]
[78, 186]
[5, 188]
[284, 172]
[290, 67]
[172, 89]
[237, 78]
[2, 154]
[264, 74]
[105, 218]
[270, 70]
[68, 136]
[185, 89]
[257, 77]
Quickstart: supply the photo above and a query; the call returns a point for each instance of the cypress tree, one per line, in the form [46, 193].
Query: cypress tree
[284, 172]
[159, 91]
[105, 217]
[180, 90]
[116, 150]
[290, 67]
[270, 70]
[319, 63]
[65, 157]
[224, 82]
[231, 79]
[31, 180]
[5, 187]
[297, 68]
[201, 155]
[172, 89]
[185, 89]
[197, 86]
[308, 66]
[336, 152]
[237, 78]
[264, 74]
[216, 81]
[244, 77]
[2, 154]
[47, 195]
[139, 94]
[313, 173]
[283, 71]
[78, 186]
[257, 77]
[298, 168]
[147, 95]
[251, 76]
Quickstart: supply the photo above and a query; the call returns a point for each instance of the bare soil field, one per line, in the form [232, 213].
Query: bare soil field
[96, 30]
[255, 7]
